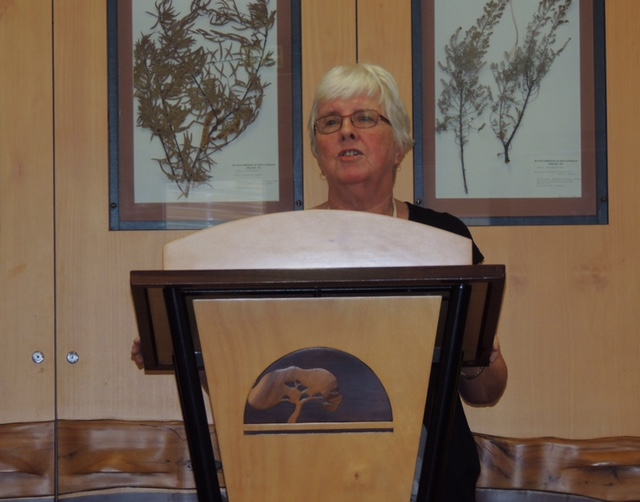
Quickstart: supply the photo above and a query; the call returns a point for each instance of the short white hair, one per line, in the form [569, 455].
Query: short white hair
[349, 81]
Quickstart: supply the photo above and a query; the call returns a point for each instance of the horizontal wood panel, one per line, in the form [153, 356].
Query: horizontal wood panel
[94, 455]
[27, 460]
[604, 468]
[127, 456]
[114, 454]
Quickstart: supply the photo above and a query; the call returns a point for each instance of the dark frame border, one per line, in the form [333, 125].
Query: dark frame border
[125, 214]
[592, 208]
[148, 287]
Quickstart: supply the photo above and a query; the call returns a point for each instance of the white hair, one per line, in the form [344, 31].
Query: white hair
[348, 81]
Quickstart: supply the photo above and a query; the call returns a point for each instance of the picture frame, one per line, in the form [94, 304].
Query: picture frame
[494, 157]
[205, 112]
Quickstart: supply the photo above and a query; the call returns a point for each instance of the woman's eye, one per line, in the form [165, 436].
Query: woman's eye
[364, 118]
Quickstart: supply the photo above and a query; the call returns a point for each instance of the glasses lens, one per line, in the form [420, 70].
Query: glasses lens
[364, 119]
[328, 124]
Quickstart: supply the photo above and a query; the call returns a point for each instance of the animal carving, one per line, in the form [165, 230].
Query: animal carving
[297, 386]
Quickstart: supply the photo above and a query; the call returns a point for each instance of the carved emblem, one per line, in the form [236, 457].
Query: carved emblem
[318, 386]
[297, 386]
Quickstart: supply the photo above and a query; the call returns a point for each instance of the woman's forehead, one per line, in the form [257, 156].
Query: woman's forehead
[345, 106]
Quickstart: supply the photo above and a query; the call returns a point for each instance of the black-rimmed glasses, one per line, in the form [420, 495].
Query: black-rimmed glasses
[362, 119]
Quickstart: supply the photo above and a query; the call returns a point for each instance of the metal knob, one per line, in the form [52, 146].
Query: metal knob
[72, 357]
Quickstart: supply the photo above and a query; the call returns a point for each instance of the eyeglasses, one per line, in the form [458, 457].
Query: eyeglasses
[362, 119]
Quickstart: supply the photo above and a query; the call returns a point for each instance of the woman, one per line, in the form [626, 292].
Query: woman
[360, 133]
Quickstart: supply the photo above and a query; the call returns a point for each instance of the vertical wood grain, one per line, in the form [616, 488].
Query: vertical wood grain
[27, 391]
[384, 38]
[570, 320]
[26, 212]
[328, 39]
[94, 310]
[569, 327]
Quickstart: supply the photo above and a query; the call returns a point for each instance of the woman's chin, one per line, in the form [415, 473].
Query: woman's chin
[352, 174]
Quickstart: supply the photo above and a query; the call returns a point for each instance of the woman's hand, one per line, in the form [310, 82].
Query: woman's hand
[485, 386]
[136, 353]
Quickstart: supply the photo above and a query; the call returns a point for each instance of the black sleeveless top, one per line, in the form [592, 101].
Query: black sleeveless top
[462, 466]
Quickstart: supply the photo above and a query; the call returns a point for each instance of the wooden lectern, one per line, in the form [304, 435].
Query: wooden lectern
[328, 339]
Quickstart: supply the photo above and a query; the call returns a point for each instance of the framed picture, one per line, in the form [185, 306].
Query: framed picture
[510, 110]
[204, 110]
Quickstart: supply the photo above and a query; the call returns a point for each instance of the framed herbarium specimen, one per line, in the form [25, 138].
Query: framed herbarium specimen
[510, 110]
[204, 110]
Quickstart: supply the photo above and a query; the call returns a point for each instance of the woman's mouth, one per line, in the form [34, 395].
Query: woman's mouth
[349, 153]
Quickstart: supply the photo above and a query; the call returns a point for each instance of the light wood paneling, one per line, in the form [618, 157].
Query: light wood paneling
[569, 327]
[569, 321]
[384, 38]
[95, 313]
[26, 212]
[328, 39]
[355, 464]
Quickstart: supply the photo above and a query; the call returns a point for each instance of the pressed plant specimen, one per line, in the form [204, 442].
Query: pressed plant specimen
[463, 98]
[198, 83]
[518, 78]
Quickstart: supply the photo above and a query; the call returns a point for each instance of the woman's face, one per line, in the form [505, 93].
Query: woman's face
[351, 155]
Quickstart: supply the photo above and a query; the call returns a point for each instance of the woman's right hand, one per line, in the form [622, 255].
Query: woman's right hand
[136, 353]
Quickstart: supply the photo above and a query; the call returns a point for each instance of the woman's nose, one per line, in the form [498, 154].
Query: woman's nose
[347, 129]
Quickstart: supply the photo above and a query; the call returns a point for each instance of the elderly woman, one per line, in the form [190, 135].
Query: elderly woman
[360, 132]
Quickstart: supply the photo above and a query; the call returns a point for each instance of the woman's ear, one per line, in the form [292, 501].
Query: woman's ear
[400, 154]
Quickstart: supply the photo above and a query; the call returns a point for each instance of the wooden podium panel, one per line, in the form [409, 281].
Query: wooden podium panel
[357, 370]
[317, 239]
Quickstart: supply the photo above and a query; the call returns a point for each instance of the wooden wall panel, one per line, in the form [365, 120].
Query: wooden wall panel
[602, 468]
[94, 309]
[27, 460]
[568, 286]
[27, 389]
[570, 322]
[384, 38]
[328, 39]
[569, 328]
[26, 213]
[342, 32]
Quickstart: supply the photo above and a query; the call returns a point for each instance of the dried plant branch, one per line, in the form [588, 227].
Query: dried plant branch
[519, 76]
[199, 89]
[463, 98]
